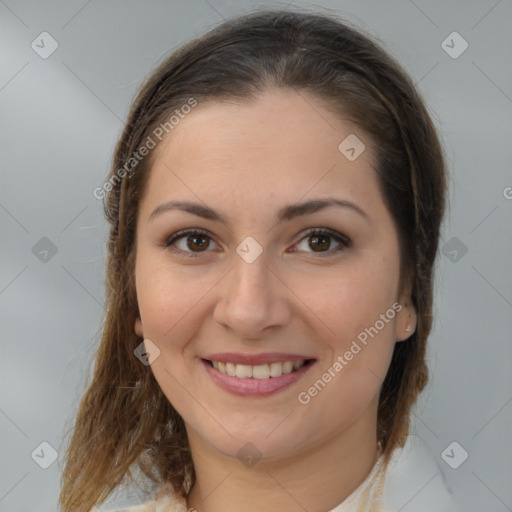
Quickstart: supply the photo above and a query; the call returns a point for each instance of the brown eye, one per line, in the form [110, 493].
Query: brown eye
[190, 242]
[197, 243]
[322, 241]
[319, 242]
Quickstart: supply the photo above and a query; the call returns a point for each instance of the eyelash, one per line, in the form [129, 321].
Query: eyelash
[343, 240]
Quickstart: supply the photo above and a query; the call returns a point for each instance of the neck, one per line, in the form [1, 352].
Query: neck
[316, 480]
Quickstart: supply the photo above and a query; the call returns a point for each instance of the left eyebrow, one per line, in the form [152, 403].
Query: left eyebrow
[286, 213]
[290, 212]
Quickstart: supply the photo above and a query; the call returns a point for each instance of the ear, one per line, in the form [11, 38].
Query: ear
[406, 318]
[138, 328]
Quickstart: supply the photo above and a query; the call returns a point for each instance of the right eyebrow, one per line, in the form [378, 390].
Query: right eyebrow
[187, 206]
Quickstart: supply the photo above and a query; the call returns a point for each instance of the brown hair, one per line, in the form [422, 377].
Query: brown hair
[124, 420]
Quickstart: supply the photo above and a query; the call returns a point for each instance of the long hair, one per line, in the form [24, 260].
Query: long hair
[124, 420]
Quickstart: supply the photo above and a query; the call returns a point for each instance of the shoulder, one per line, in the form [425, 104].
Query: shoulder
[414, 479]
[166, 500]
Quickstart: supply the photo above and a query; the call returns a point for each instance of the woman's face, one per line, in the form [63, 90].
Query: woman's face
[267, 271]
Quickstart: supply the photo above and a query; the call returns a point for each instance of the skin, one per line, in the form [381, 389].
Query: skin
[246, 160]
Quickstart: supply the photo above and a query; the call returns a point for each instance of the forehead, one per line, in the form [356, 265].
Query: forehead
[276, 118]
[282, 144]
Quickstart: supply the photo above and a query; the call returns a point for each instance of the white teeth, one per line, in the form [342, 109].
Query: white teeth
[230, 369]
[287, 367]
[298, 364]
[260, 371]
[276, 369]
[243, 371]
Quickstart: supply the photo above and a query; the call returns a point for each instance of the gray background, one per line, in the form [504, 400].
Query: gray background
[59, 120]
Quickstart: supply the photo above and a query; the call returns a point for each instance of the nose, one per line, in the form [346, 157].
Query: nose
[253, 300]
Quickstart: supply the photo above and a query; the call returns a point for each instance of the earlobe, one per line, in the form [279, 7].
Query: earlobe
[138, 328]
[406, 322]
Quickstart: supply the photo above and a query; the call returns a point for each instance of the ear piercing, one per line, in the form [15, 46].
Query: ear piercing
[408, 328]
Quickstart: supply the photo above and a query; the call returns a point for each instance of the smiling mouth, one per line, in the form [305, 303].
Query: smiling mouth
[260, 371]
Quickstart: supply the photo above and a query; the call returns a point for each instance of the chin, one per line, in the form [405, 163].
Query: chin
[254, 443]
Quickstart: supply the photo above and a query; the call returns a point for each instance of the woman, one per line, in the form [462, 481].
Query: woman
[275, 202]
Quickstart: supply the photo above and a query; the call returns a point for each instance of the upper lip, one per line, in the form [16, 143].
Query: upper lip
[255, 359]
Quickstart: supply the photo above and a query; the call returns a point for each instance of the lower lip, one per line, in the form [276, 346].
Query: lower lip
[255, 387]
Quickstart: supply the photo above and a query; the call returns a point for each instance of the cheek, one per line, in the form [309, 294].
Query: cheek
[169, 304]
[163, 298]
[355, 309]
[348, 380]
[350, 299]
[171, 300]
